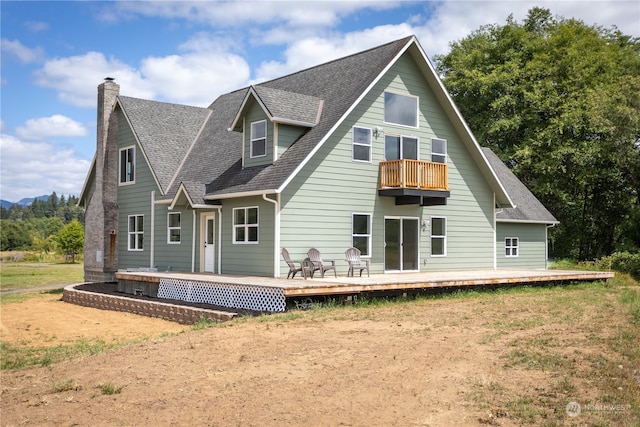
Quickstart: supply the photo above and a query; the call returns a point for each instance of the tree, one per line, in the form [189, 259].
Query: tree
[71, 238]
[14, 235]
[559, 102]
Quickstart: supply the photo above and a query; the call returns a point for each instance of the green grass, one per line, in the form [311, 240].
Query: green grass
[109, 389]
[23, 296]
[16, 357]
[17, 275]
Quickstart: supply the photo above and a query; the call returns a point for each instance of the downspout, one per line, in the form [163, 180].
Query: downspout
[153, 230]
[495, 234]
[546, 245]
[193, 243]
[219, 251]
[276, 233]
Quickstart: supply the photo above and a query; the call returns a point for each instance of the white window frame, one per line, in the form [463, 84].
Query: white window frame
[438, 236]
[511, 249]
[401, 146]
[405, 95]
[355, 144]
[434, 153]
[135, 234]
[171, 228]
[246, 226]
[254, 140]
[360, 235]
[123, 176]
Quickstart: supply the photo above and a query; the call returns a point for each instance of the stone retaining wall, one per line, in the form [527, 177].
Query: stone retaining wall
[175, 313]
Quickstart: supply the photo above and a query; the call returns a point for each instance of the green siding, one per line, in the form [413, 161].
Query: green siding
[173, 256]
[287, 135]
[248, 258]
[319, 202]
[532, 245]
[254, 114]
[135, 199]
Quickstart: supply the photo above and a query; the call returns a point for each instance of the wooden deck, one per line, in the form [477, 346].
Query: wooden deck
[330, 285]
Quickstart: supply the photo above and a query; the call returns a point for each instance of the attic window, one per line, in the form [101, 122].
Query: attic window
[258, 139]
[401, 109]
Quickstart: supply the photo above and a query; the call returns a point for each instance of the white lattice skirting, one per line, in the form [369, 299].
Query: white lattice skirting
[224, 294]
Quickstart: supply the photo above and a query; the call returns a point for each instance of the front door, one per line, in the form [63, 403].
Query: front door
[209, 243]
[401, 244]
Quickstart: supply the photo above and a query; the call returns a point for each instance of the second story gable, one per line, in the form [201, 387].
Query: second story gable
[271, 120]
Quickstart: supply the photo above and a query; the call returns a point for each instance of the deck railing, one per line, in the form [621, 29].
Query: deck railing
[418, 174]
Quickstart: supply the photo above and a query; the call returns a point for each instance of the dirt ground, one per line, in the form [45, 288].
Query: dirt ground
[426, 363]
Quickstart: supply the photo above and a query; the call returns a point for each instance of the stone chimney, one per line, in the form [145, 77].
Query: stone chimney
[101, 214]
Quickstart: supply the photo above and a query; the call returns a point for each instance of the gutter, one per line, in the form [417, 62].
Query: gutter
[234, 195]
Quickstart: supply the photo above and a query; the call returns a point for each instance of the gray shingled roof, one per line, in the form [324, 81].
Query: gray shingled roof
[215, 160]
[338, 83]
[528, 207]
[165, 132]
[216, 157]
[290, 106]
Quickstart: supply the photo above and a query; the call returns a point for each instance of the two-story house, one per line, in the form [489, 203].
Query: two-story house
[366, 151]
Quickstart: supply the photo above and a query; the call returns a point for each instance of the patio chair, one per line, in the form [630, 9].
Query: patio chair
[318, 264]
[292, 265]
[353, 258]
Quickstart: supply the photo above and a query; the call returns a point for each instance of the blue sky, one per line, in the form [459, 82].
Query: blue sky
[55, 53]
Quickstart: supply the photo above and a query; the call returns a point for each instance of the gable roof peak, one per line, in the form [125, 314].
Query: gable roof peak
[402, 41]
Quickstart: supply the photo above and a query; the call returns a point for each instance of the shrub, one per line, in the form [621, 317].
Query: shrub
[623, 262]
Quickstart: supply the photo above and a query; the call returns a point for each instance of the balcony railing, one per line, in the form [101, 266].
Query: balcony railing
[417, 174]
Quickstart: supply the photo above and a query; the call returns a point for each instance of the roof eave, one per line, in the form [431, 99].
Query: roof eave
[502, 197]
[238, 118]
[85, 186]
[240, 194]
[286, 121]
[139, 144]
[181, 190]
[529, 221]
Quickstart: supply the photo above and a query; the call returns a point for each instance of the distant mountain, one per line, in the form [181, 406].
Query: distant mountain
[23, 202]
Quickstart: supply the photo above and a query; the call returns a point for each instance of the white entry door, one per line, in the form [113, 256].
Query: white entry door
[209, 243]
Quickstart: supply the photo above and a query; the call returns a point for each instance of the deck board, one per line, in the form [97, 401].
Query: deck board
[379, 282]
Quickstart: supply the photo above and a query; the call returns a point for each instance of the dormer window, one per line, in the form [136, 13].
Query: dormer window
[259, 139]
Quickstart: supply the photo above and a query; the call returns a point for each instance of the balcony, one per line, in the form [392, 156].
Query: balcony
[414, 182]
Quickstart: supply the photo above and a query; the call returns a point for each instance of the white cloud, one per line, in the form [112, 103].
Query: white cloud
[203, 70]
[453, 20]
[24, 54]
[312, 51]
[56, 125]
[206, 66]
[34, 168]
[235, 13]
[76, 78]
